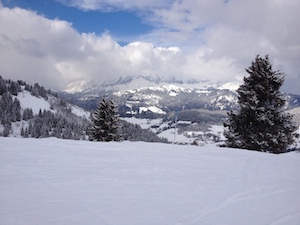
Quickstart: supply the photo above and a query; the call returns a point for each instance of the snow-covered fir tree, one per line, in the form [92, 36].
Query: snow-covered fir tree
[261, 123]
[105, 122]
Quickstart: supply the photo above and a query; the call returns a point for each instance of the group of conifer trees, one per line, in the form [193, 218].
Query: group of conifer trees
[46, 123]
[49, 124]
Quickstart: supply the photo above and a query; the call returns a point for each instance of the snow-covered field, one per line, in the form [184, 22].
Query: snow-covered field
[63, 182]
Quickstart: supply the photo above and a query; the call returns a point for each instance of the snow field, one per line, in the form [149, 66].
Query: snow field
[54, 181]
[29, 101]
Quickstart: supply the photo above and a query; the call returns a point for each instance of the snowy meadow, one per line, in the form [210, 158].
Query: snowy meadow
[53, 181]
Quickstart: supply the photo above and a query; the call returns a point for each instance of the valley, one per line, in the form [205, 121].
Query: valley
[174, 110]
[200, 106]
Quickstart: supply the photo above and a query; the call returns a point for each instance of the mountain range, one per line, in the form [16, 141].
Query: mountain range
[149, 96]
[194, 109]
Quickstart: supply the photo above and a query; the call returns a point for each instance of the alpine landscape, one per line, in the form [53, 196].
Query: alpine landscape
[177, 112]
[47, 180]
[197, 108]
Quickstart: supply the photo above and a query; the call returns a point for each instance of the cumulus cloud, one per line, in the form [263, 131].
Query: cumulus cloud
[200, 39]
[236, 31]
[30, 45]
[52, 53]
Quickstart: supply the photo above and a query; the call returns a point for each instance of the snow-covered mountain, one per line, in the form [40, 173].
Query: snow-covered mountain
[154, 95]
[146, 93]
[91, 87]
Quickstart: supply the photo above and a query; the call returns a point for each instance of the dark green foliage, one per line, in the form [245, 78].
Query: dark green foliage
[10, 111]
[38, 91]
[7, 129]
[14, 88]
[60, 125]
[3, 86]
[105, 125]
[260, 123]
[134, 132]
[16, 110]
[27, 114]
[198, 116]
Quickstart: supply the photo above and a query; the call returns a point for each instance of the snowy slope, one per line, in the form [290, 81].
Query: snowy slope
[27, 100]
[35, 103]
[52, 103]
[52, 181]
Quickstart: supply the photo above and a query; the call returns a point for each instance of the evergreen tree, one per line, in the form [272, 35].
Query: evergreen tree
[3, 86]
[14, 88]
[260, 123]
[16, 110]
[6, 130]
[105, 125]
[22, 132]
[27, 114]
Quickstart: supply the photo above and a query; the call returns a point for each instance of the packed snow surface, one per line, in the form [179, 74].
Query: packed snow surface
[52, 181]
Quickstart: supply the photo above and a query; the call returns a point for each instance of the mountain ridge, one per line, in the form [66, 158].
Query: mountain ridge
[133, 82]
[163, 95]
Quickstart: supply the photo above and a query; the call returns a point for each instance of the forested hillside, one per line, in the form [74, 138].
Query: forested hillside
[32, 111]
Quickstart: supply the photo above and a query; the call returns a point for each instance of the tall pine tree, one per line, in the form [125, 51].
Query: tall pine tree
[261, 123]
[105, 122]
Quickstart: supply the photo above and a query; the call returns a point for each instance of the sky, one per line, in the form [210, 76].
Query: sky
[55, 42]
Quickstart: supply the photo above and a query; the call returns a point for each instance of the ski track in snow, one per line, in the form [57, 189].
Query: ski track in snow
[51, 181]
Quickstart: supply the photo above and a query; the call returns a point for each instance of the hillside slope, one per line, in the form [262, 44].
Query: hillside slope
[32, 111]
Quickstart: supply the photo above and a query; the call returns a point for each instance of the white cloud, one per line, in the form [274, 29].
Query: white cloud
[196, 38]
[235, 31]
[52, 53]
[31, 45]
[116, 5]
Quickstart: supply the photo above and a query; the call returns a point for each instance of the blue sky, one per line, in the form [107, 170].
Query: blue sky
[55, 42]
[123, 25]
